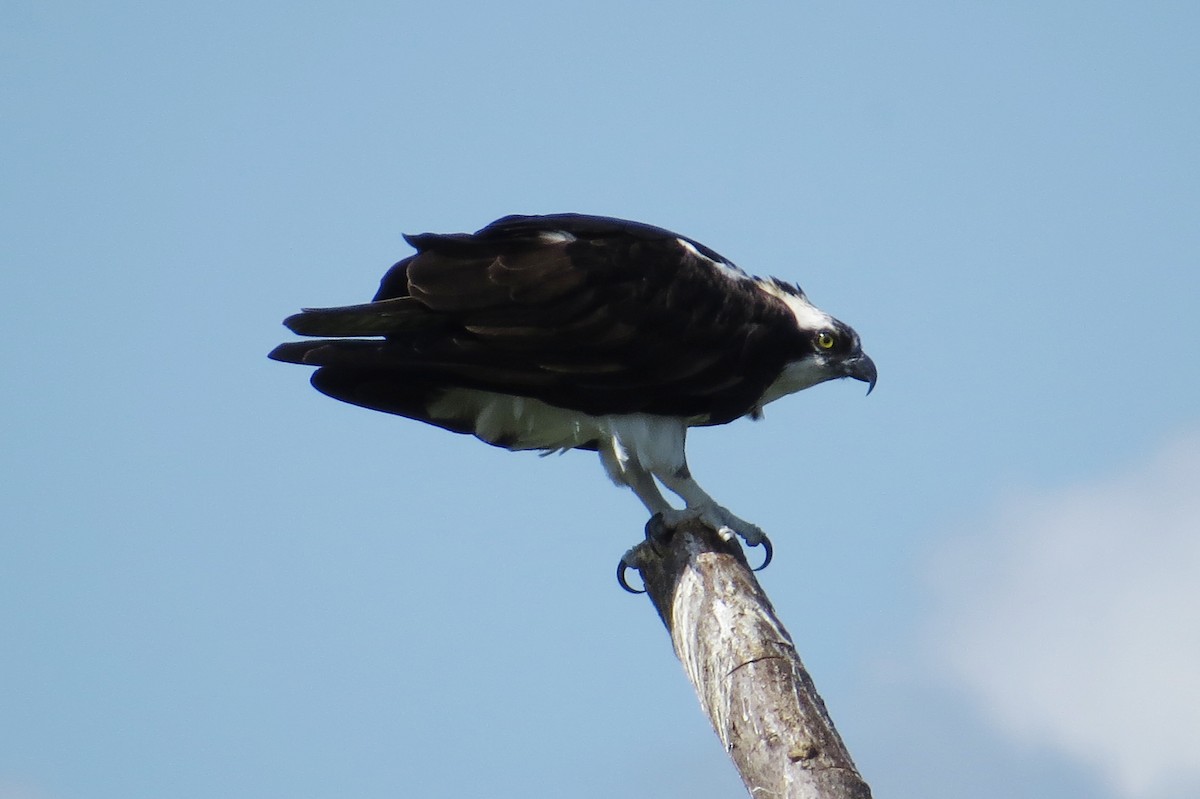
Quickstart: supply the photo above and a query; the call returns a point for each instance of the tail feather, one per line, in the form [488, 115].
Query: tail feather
[369, 319]
[356, 353]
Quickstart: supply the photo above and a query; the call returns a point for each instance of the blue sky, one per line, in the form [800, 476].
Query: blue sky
[214, 581]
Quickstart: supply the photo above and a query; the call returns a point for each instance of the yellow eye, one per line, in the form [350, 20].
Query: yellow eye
[825, 341]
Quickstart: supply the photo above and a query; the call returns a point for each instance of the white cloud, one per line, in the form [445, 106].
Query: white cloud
[1073, 619]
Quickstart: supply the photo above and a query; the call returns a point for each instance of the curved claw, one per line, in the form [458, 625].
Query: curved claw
[657, 528]
[622, 567]
[769, 552]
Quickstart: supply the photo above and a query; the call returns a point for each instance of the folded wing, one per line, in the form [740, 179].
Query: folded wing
[584, 313]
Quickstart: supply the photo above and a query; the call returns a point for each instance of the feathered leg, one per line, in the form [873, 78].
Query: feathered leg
[703, 507]
[641, 448]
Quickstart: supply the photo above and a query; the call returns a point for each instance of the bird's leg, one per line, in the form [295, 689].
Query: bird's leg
[637, 479]
[703, 507]
[670, 468]
[626, 472]
[641, 482]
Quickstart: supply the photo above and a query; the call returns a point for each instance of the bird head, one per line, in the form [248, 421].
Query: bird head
[823, 348]
[837, 352]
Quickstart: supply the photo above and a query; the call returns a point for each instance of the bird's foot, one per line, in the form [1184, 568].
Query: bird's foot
[718, 518]
[724, 523]
[663, 524]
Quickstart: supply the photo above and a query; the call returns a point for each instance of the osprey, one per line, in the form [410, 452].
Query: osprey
[567, 332]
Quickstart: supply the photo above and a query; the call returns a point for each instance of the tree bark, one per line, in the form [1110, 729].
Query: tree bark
[744, 667]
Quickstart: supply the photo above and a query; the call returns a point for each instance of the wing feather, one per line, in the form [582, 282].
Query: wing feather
[587, 313]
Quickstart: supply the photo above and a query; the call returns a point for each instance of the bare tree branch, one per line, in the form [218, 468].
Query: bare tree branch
[744, 667]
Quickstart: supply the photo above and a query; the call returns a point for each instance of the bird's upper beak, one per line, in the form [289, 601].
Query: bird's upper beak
[861, 367]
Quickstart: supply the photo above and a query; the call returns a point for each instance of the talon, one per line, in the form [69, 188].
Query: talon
[768, 552]
[622, 567]
[657, 528]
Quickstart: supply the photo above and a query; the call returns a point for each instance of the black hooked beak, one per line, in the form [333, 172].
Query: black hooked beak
[861, 367]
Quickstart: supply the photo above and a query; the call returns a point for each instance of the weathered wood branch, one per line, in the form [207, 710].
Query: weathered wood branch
[744, 667]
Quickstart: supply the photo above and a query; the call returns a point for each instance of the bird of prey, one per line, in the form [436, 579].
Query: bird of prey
[570, 331]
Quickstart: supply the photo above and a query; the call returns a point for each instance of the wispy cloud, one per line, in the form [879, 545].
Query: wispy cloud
[1073, 619]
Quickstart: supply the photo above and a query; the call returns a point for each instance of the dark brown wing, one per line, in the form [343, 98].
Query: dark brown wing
[588, 313]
